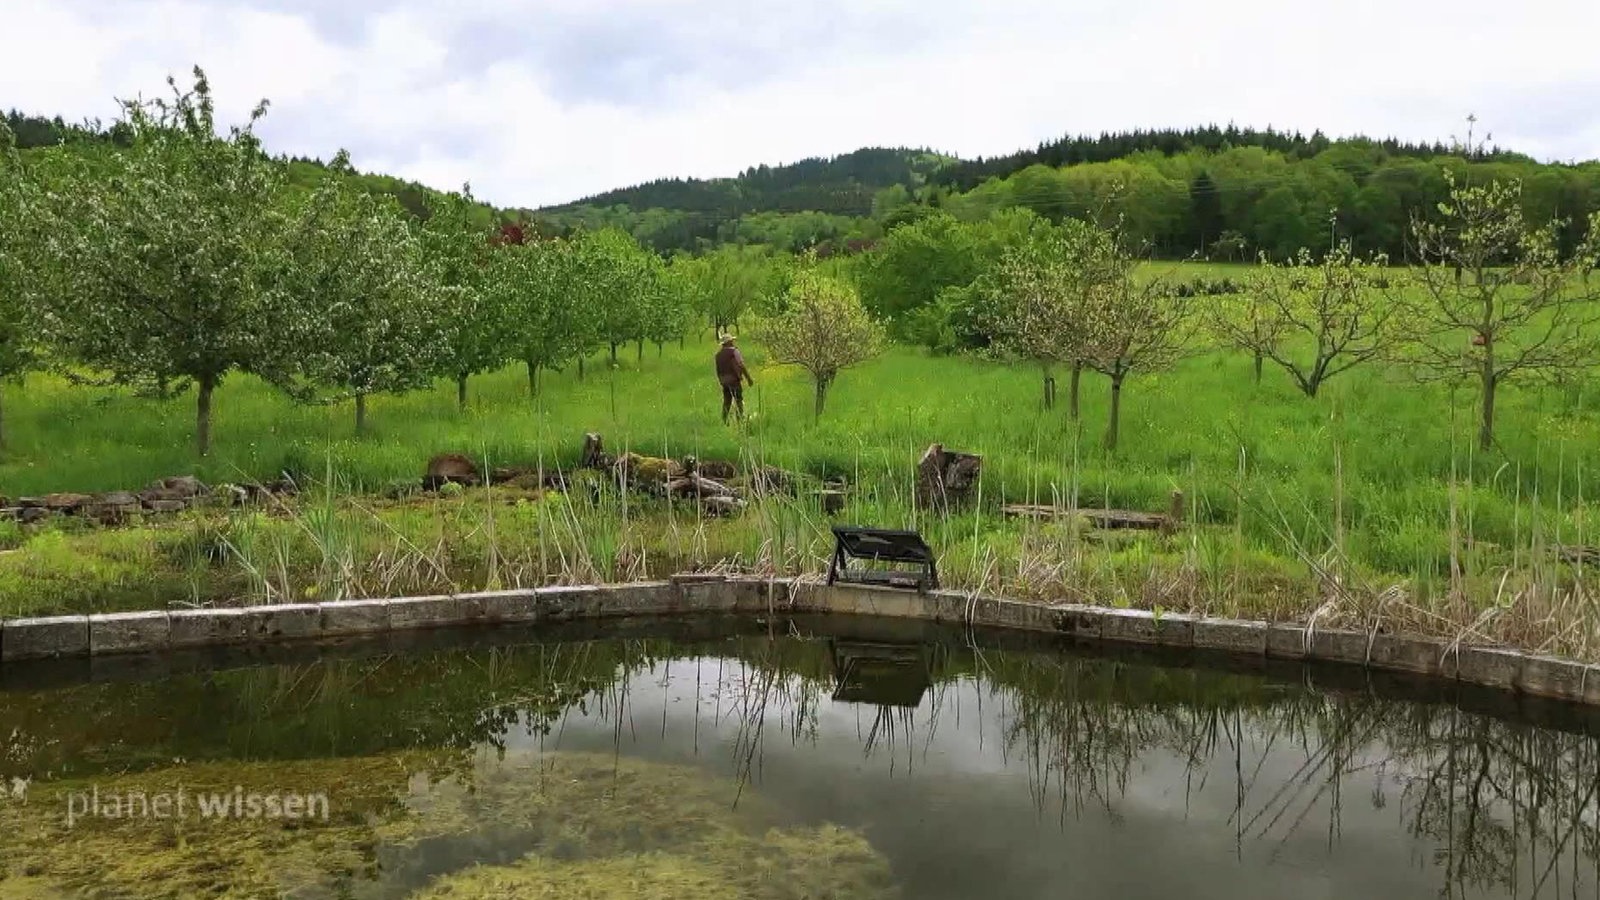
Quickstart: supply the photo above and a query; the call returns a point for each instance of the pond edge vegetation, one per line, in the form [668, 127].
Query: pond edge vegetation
[87, 638]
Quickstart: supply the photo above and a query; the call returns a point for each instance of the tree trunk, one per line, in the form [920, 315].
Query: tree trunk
[1049, 390]
[580, 368]
[1072, 390]
[1113, 426]
[1258, 368]
[661, 349]
[613, 354]
[2, 419]
[461, 392]
[822, 395]
[202, 414]
[361, 414]
[1486, 422]
[533, 378]
[640, 357]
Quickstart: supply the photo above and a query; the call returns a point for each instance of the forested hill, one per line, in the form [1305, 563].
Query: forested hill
[843, 184]
[1222, 192]
[1073, 150]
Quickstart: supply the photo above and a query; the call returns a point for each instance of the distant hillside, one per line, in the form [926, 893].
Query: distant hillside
[843, 185]
[789, 206]
[1073, 150]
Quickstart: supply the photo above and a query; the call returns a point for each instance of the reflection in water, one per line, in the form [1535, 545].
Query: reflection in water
[848, 759]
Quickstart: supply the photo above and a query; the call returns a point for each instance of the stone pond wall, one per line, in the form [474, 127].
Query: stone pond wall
[154, 632]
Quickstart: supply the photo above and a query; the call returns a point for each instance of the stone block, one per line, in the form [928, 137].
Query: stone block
[565, 601]
[345, 617]
[210, 627]
[1025, 615]
[1489, 666]
[1231, 635]
[1085, 622]
[1143, 626]
[1548, 676]
[501, 606]
[1286, 641]
[1406, 654]
[946, 605]
[132, 632]
[284, 621]
[1591, 685]
[424, 612]
[1339, 645]
[721, 596]
[643, 598]
[44, 638]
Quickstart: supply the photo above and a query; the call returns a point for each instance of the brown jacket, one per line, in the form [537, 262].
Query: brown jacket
[730, 366]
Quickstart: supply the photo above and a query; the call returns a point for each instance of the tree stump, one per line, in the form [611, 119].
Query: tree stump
[447, 468]
[594, 452]
[946, 479]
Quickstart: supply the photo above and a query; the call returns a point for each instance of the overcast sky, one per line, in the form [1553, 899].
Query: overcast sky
[544, 101]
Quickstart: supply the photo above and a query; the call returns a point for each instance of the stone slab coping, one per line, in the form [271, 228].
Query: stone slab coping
[164, 631]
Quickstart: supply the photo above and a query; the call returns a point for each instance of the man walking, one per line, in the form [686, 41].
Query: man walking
[731, 372]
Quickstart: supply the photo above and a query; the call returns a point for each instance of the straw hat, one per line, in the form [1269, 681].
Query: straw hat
[727, 339]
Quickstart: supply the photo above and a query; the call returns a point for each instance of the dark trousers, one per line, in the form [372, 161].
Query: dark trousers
[732, 395]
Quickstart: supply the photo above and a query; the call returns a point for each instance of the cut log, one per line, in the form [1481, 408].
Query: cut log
[722, 506]
[1097, 518]
[693, 486]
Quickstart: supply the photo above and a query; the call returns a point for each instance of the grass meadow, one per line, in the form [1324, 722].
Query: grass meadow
[1372, 492]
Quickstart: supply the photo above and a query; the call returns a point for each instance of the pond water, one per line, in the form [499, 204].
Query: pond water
[785, 759]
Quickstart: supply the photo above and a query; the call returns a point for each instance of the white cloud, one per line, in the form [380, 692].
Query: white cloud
[542, 102]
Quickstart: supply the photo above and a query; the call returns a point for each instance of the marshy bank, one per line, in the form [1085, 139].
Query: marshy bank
[325, 544]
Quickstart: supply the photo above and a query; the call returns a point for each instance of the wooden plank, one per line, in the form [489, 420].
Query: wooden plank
[1098, 518]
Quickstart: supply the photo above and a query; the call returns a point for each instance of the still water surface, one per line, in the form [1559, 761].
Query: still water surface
[836, 759]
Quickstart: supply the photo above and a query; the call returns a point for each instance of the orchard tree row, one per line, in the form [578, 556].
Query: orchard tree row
[186, 254]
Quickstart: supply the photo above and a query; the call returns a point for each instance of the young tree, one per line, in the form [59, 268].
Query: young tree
[1493, 299]
[1130, 324]
[541, 287]
[471, 327]
[620, 286]
[178, 256]
[374, 328]
[1035, 297]
[1314, 320]
[672, 309]
[823, 329]
[733, 279]
[1249, 321]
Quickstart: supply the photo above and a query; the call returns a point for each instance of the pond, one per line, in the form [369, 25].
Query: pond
[724, 757]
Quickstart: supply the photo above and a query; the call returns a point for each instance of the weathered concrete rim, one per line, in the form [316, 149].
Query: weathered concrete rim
[160, 631]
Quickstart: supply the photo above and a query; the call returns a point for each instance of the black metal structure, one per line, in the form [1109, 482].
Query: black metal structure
[878, 545]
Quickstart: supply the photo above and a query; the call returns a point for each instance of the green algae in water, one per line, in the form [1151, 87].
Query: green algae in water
[791, 864]
[561, 824]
